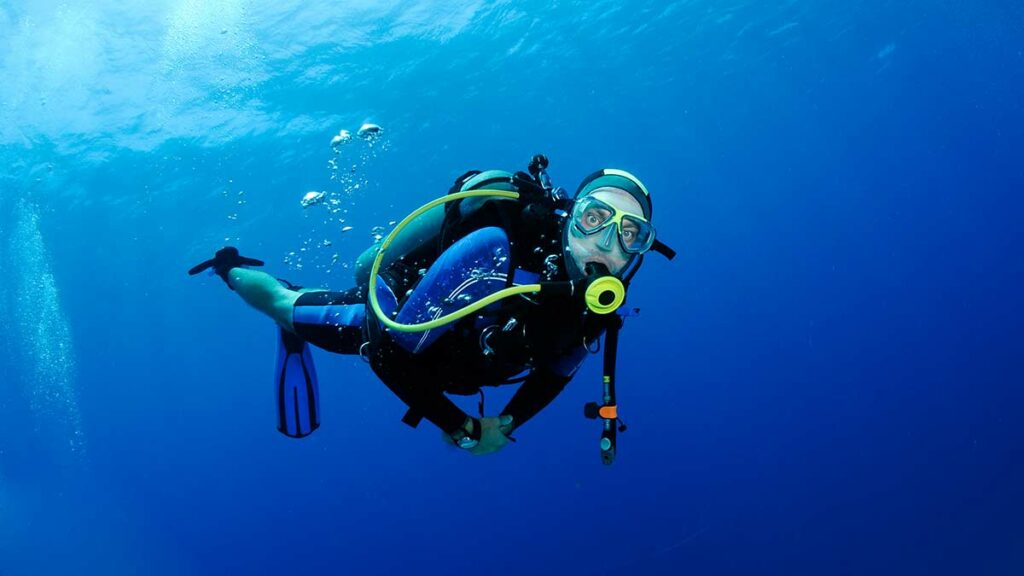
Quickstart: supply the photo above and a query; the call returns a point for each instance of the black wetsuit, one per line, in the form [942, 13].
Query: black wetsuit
[545, 337]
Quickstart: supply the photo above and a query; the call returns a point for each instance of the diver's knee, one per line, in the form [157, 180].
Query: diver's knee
[284, 306]
[363, 265]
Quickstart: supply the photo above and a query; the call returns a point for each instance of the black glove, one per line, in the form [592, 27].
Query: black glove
[223, 261]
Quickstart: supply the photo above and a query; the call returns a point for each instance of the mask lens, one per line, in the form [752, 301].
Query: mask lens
[637, 235]
[591, 215]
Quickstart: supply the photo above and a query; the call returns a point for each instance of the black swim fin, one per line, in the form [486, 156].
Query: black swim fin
[223, 261]
[298, 395]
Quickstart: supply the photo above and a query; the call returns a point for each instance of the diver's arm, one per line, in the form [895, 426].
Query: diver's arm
[440, 411]
[544, 383]
[429, 402]
[536, 392]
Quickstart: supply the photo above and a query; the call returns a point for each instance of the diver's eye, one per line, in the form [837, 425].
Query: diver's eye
[594, 217]
[629, 235]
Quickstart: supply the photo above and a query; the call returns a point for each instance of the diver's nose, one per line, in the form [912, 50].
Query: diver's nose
[607, 239]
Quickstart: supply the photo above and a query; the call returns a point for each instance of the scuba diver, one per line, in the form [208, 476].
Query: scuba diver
[504, 280]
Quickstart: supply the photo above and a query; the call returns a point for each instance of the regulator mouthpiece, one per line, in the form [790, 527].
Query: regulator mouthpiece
[604, 293]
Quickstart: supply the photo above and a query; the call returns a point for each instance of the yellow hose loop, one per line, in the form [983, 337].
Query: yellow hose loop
[462, 312]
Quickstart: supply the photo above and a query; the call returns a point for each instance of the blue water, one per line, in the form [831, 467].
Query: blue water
[827, 380]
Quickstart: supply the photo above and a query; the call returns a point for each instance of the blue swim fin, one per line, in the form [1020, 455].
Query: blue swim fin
[298, 395]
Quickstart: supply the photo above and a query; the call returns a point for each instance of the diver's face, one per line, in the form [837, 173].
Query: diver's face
[603, 247]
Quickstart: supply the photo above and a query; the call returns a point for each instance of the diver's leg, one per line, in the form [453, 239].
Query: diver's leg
[266, 294]
[333, 321]
[329, 320]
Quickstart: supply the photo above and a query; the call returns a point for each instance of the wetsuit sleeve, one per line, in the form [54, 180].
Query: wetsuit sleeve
[430, 403]
[536, 392]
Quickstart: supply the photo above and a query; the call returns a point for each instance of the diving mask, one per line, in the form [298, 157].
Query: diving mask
[592, 216]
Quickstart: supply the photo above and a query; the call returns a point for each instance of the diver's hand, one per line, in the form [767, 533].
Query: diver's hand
[223, 261]
[492, 435]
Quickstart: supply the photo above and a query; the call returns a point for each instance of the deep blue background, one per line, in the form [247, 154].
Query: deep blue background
[827, 380]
